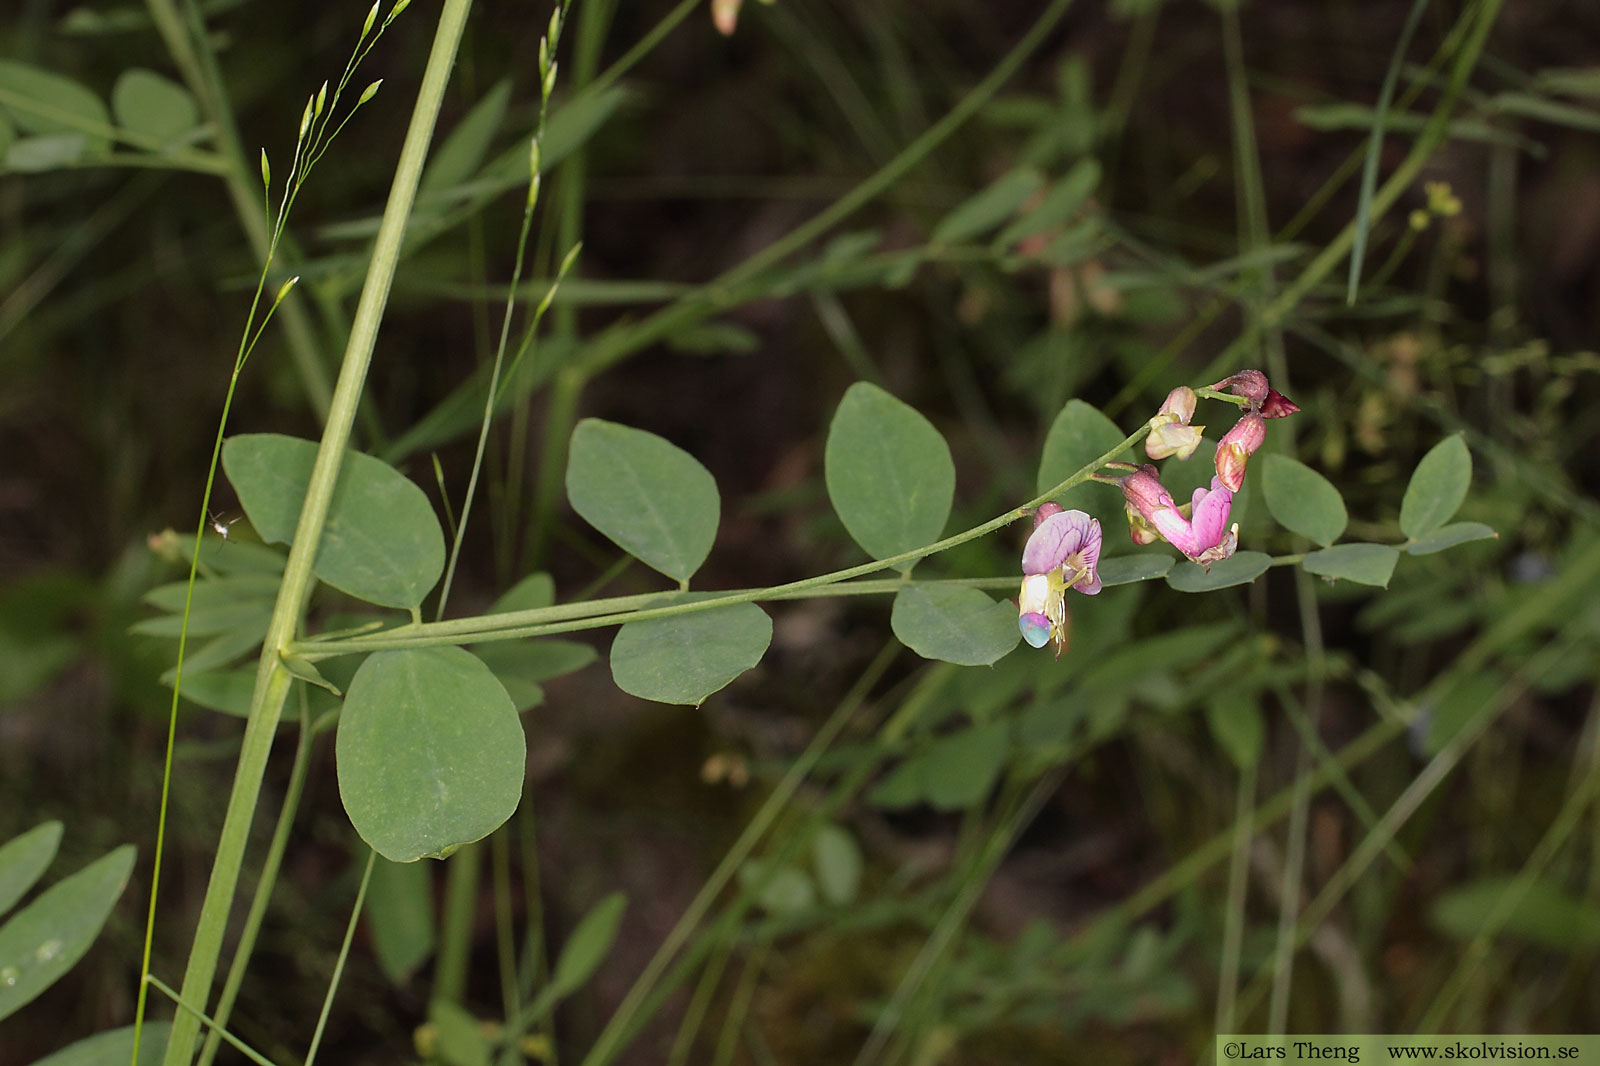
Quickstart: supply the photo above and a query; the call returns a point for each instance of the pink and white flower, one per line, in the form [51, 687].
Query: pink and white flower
[1063, 553]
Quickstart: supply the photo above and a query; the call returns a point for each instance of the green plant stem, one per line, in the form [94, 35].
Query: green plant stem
[739, 1008]
[515, 624]
[272, 681]
[264, 884]
[344, 954]
[187, 1009]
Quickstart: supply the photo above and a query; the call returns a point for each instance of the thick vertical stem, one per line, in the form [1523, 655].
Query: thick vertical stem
[272, 681]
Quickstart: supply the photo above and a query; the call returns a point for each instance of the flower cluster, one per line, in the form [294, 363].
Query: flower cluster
[1203, 533]
[1062, 554]
[1064, 550]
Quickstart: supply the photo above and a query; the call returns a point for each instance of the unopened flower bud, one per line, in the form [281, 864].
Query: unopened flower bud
[1277, 405]
[1045, 510]
[1251, 384]
[1236, 448]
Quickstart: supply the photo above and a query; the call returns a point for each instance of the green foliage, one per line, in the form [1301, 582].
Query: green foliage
[1365, 564]
[400, 914]
[1436, 489]
[1079, 435]
[685, 658]
[23, 860]
[985, 210]
[651, 498]
[1238, 726]
[1239, 569]
[113, 1047]
[583, 953]
[430, 752]
[1535, 912]
[381, 542]
[1302, 500]
[152, 107]
[67, 121]
[1074, 250]
[958, 625]
[889, 473]
[951, 773]
[47, 937]
[837, 861]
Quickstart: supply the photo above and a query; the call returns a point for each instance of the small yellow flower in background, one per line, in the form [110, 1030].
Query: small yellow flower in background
[1419, 220]
[1441, 201]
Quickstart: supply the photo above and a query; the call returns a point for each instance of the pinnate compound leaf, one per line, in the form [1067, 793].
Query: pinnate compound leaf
[151, 106]
[651, 498]
[23, 860]
[46, 938]
[430, 752]
[1239, 569]
[1079, 435]
[42, 101]
[113, 1048]
[1302, 500]
[1437, 487]
[956, 624]
[1449, 536]
[889, 473]
[685, 658]
[381, 543]
[1365, 564]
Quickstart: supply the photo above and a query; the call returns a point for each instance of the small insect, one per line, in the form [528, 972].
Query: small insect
[222, 528]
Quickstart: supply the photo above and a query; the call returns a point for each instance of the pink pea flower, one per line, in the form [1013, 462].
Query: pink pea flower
[1062, 553]
[1204, 536]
